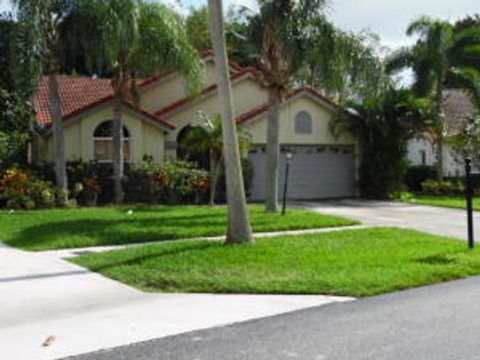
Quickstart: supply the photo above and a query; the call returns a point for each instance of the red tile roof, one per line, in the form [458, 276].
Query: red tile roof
[79, 94]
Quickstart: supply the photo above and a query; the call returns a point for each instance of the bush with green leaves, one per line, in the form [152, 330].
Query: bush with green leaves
[450, 187]
[21, 190]
[418, 174]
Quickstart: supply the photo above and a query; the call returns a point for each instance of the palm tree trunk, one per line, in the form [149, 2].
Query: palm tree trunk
[239, 230]
[58, 139]
[215, 171]
[273, 151]
[118, 161]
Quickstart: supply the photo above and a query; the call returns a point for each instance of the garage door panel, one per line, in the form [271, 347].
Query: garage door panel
[315, 172]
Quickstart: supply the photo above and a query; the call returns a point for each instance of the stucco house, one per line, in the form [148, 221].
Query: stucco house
[323, 166]
[457, 108]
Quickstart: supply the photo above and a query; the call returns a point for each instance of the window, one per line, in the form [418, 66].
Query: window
[423, 157]
[303, 123]
[103, 142]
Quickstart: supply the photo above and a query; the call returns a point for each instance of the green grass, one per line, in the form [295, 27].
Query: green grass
[73, 228]
[456, 202]
[349, 262]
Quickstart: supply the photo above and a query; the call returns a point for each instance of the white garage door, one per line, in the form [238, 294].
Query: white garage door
[316, 172]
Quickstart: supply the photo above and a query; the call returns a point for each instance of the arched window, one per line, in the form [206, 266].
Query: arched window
[303, 123]
[103, 142]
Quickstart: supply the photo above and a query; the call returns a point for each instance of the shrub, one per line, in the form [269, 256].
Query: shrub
[416, 175]
[174, 182]
[20, 190]
[186, 183]
[453, 187]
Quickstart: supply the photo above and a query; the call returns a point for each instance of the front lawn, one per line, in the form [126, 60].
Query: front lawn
[84, 227]
[350, 262]
[457, 202]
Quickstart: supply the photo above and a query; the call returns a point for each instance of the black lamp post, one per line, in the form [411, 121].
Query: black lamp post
[288, 157]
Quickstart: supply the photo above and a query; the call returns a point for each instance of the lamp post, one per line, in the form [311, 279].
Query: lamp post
[288, 157]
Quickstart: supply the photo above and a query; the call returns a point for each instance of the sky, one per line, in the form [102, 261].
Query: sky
[387, 18]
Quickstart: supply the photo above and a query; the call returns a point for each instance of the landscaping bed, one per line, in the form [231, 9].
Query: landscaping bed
[85, 227]
[350, 262]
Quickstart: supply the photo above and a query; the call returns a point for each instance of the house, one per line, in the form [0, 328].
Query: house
[458, 108]
[323, 166]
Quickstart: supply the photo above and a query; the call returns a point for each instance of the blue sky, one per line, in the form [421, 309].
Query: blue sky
[387, 18]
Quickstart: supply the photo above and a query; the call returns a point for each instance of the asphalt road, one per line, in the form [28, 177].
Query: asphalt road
[435, 322]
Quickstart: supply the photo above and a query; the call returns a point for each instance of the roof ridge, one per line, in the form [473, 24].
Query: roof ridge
[177, 104]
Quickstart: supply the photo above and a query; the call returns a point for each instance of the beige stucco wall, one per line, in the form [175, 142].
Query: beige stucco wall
[171, 89]
[320, 130]
[144, 138]
[247, 94]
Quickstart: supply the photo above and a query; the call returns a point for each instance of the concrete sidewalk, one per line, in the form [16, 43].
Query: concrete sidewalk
[42, 295]
[69, 253]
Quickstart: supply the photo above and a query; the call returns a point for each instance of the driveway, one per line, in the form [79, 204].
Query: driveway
[42, 296]
[430, 219]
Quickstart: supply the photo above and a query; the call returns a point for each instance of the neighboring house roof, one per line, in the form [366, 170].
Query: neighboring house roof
[458, 108]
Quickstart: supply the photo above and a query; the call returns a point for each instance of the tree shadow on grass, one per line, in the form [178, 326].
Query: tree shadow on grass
[95, 232]
[152, 253]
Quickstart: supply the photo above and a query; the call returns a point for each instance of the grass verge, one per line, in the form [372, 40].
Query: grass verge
[84, 227]
[456, 202]
[350, 262]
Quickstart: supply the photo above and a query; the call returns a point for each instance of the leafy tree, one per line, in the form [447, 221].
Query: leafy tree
[467, 22]
[15, 120]
[208, 138]
[41, 22]
[343, 64]
[467, 142]
[136, 38]
[198, 30]
[277, 36]
[441, 56]
[239, 229]
[383, 125]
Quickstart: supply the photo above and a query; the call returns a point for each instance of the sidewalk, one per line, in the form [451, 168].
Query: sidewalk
[42, 295]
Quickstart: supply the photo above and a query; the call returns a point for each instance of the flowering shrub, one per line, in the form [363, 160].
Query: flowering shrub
[20, 190]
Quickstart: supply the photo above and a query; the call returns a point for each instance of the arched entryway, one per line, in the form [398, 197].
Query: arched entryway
[199, 156]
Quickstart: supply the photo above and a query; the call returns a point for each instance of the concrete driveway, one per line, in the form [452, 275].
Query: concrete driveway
[430, 219]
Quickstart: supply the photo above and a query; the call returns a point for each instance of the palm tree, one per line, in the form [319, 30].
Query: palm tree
[441, 56]
[44, 21]
[137, 38]
[239, 229]
[383, 124]
[208, 138]
[277, 35]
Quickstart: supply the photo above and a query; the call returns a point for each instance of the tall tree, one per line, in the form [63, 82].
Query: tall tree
[441, 56]
[239, 229]
[44, 20]
[278, 36]
[383, 124]
[137, 38]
